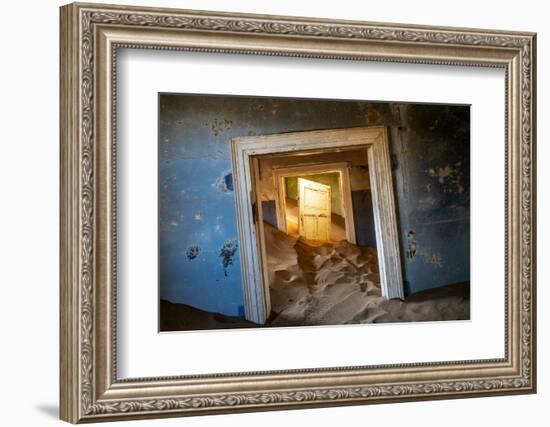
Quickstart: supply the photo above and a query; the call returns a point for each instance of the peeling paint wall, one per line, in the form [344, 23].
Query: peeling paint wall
[430, 147]
[199, 257]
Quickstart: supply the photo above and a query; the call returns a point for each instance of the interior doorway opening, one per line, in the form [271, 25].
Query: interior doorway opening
[317, 225]
[309, 214]
[312, 200]
[316, 268]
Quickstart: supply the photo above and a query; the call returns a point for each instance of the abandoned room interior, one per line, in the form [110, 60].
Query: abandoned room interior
[282, 212]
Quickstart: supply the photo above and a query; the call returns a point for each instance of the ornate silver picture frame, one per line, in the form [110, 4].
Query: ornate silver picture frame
[91, 36]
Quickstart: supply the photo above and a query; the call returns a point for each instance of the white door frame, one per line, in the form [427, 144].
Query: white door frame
[279, 175]
[244, 152]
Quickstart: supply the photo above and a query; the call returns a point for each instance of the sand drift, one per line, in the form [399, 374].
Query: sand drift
[313, 283]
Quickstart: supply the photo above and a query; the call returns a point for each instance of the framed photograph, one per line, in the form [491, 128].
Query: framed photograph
[265, 212]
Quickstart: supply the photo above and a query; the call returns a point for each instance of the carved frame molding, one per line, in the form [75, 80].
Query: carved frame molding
[90, 36]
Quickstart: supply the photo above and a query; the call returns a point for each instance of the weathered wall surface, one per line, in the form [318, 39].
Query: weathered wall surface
[430, 147]
[199, 255]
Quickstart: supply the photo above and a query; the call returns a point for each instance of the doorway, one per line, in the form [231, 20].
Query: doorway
[313, 208]
[289, 211]
[314, 212]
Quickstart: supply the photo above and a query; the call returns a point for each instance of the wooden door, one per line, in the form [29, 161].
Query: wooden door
[314, 210]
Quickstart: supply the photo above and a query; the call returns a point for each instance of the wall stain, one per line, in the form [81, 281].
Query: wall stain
[411, 245]
[449, 176]
[431, 259]
[372, 115]
[224, 183]
[227, 252]
[192, 252]
[219, 126]
[275, 109]
[414, 249]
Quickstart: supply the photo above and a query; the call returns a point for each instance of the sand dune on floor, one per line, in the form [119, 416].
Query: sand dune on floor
[314, 283]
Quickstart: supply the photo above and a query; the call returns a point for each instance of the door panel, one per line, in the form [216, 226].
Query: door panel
[314, 210]
[323, 227]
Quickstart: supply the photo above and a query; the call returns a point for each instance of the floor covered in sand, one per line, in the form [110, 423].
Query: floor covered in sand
[313, 283]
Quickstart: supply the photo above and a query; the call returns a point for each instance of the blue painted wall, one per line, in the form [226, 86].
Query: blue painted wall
[198, 257]
[430, 148]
